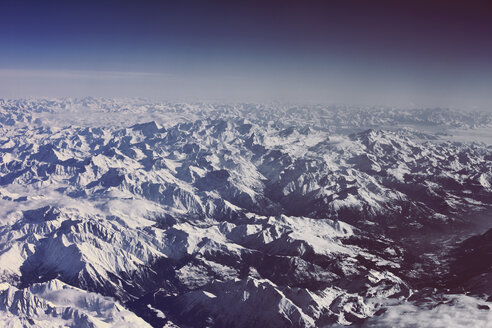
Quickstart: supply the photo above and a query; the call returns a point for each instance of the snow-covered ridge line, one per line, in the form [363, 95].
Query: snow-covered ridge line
[115, 111]
[187, 218]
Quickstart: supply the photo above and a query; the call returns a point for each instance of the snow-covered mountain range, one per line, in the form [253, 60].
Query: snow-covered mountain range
[137, 213]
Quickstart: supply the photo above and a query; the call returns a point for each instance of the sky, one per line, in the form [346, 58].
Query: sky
[420, 52]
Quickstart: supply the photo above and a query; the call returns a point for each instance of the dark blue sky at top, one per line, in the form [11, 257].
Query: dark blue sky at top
[441, 46]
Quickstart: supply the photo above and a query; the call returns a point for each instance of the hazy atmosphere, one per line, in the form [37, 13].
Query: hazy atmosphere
[356, 52]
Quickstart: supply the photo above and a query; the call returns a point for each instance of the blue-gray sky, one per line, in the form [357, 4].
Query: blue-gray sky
[378, 52]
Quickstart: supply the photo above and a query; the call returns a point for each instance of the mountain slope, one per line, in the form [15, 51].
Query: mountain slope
[193, 215]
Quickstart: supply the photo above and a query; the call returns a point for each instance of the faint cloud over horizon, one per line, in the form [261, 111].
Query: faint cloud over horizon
[381, 52]
[334, 87]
